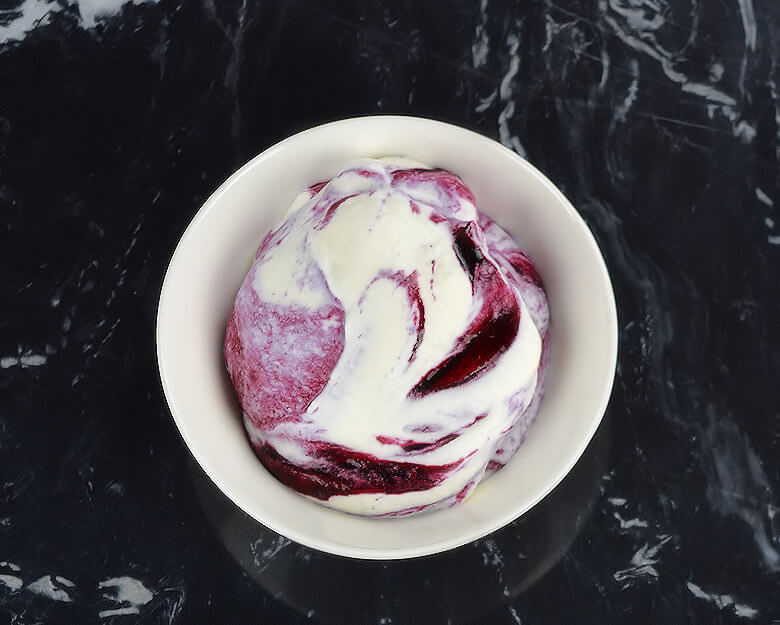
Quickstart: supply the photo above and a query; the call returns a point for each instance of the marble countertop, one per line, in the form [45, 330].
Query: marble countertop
[658, 119]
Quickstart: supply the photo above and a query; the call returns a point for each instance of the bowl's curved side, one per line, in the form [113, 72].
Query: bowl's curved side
[204, 274]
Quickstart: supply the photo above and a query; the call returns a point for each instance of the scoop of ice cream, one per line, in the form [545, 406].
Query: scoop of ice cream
[388, 345]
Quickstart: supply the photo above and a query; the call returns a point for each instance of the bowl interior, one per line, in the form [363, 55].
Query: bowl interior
[216, 250]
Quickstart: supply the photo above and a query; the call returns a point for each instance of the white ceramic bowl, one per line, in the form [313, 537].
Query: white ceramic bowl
[215, 252]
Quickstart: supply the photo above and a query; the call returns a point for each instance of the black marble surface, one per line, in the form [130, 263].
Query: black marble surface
[658, 119]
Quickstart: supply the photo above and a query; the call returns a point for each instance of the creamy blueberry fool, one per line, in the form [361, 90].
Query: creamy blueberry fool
[389, 342]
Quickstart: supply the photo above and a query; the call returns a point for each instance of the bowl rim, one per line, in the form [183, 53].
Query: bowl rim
[324, 544]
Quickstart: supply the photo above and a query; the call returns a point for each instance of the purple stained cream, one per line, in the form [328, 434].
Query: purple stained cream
[389, 343]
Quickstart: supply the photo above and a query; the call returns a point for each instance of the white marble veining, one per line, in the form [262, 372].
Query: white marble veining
[33, 13]
[723, 601]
